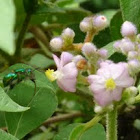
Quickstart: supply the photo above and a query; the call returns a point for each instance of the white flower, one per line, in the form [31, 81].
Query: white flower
[108, 83]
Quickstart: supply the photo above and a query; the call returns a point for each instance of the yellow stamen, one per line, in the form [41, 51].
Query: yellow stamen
[50, 74]
[110, 84]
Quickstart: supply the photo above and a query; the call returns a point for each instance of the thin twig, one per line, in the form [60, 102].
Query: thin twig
[39, 34]
[63, 117]
[41, 39]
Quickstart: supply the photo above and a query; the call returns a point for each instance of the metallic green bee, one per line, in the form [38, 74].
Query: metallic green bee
[13, 78]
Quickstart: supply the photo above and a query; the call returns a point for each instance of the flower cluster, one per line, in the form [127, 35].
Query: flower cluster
[106, 80]
[65, 40]
[130, 46]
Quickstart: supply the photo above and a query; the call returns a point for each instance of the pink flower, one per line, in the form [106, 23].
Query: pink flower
[109, 82]
[66, 72]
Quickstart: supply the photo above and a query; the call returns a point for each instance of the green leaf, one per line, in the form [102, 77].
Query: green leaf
[75, 132]
[6, 136]
[131, 11]
[115, 26]
[110, 48]
[43, 62]
[97, 132]
[42, 104]
[118, 57]
[8, 105]
[69, 3]
[65, 132]
[48, 8]
[7, 16]
[102, 38]
[79, 36]
[2, 120]
[71, 16]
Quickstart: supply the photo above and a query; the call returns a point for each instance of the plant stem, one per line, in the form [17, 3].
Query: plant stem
[89, 36]
[21, 36]
[111, 125]
[63, 117]
[92, 122]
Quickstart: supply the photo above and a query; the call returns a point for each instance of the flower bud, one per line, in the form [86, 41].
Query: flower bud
[138, 38]
[132, 55]
[99, 22]
[134, 65]
[98, 109]
[56, 43]
[117, 45]
[103, 53]
[133, 90]
[128, 29]
[68, 33]
[80, 61]
[126, 46]
[78, 58]
[88, 49]
[86, 24]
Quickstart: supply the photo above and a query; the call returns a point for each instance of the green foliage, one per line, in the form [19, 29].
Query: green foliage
[103, 38]
[28, 105]
[43, 63]
[42, 104]
[65, 132]
[8, 105]
[75, 132]
[110, 48]
[6, 136]
[137, 124]
[131, 11]
[115, 26]
[7, 16]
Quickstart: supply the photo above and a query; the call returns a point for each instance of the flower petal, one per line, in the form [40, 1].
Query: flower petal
[104, 72]
[125, 82]
[65, 58]
[70, 70]
[57, 61]
[68, 85]
[96, 79]
[103, 97]
[117, 70]
[117, 94]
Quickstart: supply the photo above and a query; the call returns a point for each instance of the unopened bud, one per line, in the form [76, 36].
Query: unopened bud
[126, 46]
[103, 53]
[80, 62]
[88, 49]
[128, 29]
[138, 38]
[98, 109]
[86, 24]
[78, 58]
[134, 65]
[133, 90]
[99, 22]
[132, 55]
[56, 43]
[117, 45]
[68, 33]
